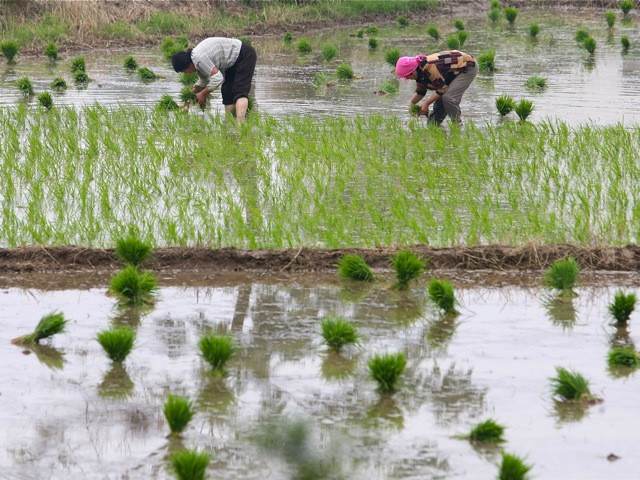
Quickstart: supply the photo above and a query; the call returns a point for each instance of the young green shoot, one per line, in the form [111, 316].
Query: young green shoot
[562, 275]
[441, 293]
[581, 35]
[373, 43]
[372, 30]
[9, 49]
[453, 41]
[626, 43]
[80, 77]
[488, 431]
[462, 37]
[610, 18]
[590, 45]
[338, 332]
[458, 24]
[130, 63]
[389, 87]
[354, 267]
[494, 14]
[178, 411]
[303, 46]
[344, 71]
[188, 78]
[536, 82]
[25, 86]
[623, 357]
[568, 386]
[511, 13]
[146, 74]
[134, 288]
[287, 38]
[386, 370]
[216, 351]
[534, 30]
[505, 104]
[329, 52]
[433, 32]
[78, 64]
[523, 109]
[487, 61]
[167, 104]
[403, 22]
[495, 4]
[59, 84]
[45, 100]
[117, 342]
[622, 306]
[49, 325]
[392, 56]
[626, 6]
[407, 266]
[190, 464]
[51, 51]
[513, 467]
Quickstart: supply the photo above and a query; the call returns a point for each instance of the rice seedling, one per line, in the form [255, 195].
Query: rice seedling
[178, 411]
[414, 110]
[217, 350]
[495, 4]
[132, 251]
[487, 61]
[169, 46]
[453, 42]
[190, 464]
[536, 82]
[116, 383]
[59, 84]
[130, 63]
[134, 288]
[389, 86]
[534, 30]
[78, 64]
[187, 95]
[590, 44]
[513, 468]
[494, 14]
[49, 325]
[167, 104]
[287, 38]
[441, 293]
[562, 275]
[344, 71]
[458, 24]
[372, 30]
[622, 306]
[488, 431]
[403, 22]
[80, 77]
[386, 370]
[391, 56]
[45, 100]
[9, 49]
[146, 74]
[373, 43]
[117, 342]
[51, 51]
[25, 86]
[462, 37]
[624, 40]
[354, 267]
[338, 332]
[188, 78]
[569, 386]
[523, 109]
[329, 52]
[303, 46]
[320, 80]
[623, 357]
[511, 13]
[610, 18]
[360, 33]
[505, 104]
[407, 266]
[581, 35]
[626, 6]
[433, 32]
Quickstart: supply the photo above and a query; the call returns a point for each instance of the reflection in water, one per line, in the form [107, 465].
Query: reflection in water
[214, 394]
[491, 452]
[335, 366]
[355, 292]
[561, 311]
[569, 412]
[130, 317]
[620, 336]
[440, 331]
[48, 355]
[386, 412]
[116, 383]
[406, 310]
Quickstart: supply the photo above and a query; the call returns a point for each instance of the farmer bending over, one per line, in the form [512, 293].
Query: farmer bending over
[449, 73]
[220, 61]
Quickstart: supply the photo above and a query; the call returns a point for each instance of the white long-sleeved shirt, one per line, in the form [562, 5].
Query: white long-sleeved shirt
[220, 52]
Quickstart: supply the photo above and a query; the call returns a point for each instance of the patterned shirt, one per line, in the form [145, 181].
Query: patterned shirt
[437, 71]
[212, 52]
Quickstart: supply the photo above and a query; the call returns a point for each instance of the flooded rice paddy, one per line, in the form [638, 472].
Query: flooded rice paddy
[288, 406]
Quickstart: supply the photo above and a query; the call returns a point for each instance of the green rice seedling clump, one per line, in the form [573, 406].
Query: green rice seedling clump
[246, 40]
[626, 6]
[320, 79]
[462, 37]
[441, 293]
[190, 464]
[338, 332]
[288, 38]
[623, 357]
[505, 104]
[563, 275]
[402, 22]
[167, 104]
[9, 49]
[414, 109]
[536, 82]
[570, 386]
[494, 14]
[511, 13]
[132, 251]
[453, 42]
[134, 288]
[386, 370]
[622, 306]
[187, 95]
[534, 30]
[495, 4]
[303, 46]
[49, 325]
[80, 77]
[78, 64]
[372, 30]
[59, 84]
[373, 43]
[626, 43]
[117, 342]
[147, 74]
[523, 109]
[188, 78]
[217, 350]
[488, 432]
[487, 61]
[354, 267]
[130, 63]
[25, 86]
[581, 35]
[610, 18]
[590, 44]
[360, 33]
[45, 100]
[389, 86]
[178, 411]
[433, 32]
[169, 46]
[458, 24]
[513, 468]
[51, 51]
[329, 52]
[391, 56]
[407, 266]
[344, 71]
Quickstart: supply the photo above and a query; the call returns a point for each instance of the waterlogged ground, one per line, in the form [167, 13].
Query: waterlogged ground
[600, 88]
[287, 404]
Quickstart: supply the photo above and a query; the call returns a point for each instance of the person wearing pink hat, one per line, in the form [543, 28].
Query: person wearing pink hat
[449, 73]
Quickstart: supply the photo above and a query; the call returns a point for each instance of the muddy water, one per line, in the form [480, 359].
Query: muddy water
[287, 405]
[581, 88]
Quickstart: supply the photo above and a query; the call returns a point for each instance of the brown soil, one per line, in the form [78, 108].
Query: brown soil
[202, 260]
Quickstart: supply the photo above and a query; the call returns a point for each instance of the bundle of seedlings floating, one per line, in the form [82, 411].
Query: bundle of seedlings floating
[568, 386]
[51, 51]
[178, 411]
[458, 24]
[190, 464]
[373, 43]
[581, 35]
[488, 431]
[45, 100]
[130, 63]
[453, 42]
[78, 64]
[610, 18]
[147, 75]
[626, 43]
[49, 325]
[392, 56]
[433, 32]
[167, 104]
[562, 275]
[511, 13]
[117, 342]
[623, 357]
[344, 71]
[534, 30]
[59, 84]
[626, 6]
[386, 370]
[622, 306]
[217, 350]
[441, 293]
[354, 267]
[329, 52]
[487, 61]
[338, 332]
[81, 78]
[25, 86]
[407, 267]
[303, 46]
[505, 104]
[388, 87]
[462, 37]
[590, 45]
[9, 49]
[134, 288]
[513, 467]
[536, 82]
[524, 108]
[494, 14]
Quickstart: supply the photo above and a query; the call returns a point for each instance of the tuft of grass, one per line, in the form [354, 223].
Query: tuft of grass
[534, 30]
[523, 109]
[372, 30]
[403, 22]
[441, 293]
[590, 44]
[217, 350]
[190, 464]
[178, 411]
[433, 32]
[462, 37]
[610, 18]
[453, 42]
[25, 86]
[391, 56]
[117, 342]
[581, 35]
[360, 33]
[570, 386]
[45, 100]
[49, 325]
[623, 357]
[513, 468]
[622, 306]
[511, 13]
[536, 82]
[303, 46]
[338, 332]
[9, 49]
[487, 432]
[167, 103]
[563, 275]
[487, 61]
[386, 370]
[626, 6]
[130, 63]
[389, 86]
[51, 51]
[134, 288]
[407, 267]
[344, 71]
[329, 52]
[624, 40]
[354, 267]
[146, 74]
[505, 104]
[59, 84]
[78, 64]
[458, 24]
[287, 38]
[494, 14]
[373, 43]
[80, 77]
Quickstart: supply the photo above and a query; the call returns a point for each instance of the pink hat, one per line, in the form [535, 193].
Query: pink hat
[406, 65]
